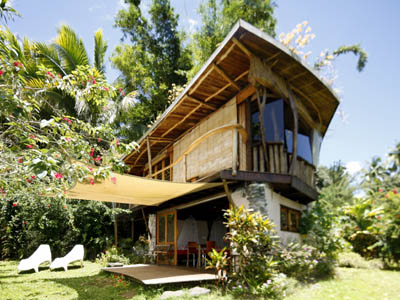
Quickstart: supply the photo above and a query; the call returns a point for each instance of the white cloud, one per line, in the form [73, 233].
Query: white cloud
[353, 167]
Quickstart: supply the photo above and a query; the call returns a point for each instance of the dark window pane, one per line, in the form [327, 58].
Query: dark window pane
[303, 145]
[161, 229]
[274, 121]
[284, 221]
[170, 228]
[255, 128]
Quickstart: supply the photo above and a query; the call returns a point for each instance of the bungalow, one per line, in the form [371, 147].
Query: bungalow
[247, 130]
[254, 118]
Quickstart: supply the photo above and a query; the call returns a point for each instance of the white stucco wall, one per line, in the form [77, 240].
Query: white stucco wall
[273, 202]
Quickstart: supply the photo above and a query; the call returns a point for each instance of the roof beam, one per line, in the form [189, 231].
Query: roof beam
[242, 47]
[227, 78]
[201, 80]
[201, 102]
[261, 74]
[181, 121]
[226, 86]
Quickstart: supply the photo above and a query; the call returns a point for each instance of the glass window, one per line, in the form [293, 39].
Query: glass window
[290, 219]
[161, 229]
[273, 121]
[170, 228]
[303, 145]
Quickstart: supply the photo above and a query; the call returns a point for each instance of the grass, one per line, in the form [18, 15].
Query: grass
[87, 283]
[353, 284]
[92, 284]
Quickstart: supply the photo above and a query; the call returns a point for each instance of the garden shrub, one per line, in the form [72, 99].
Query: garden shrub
[112, 255]
[355, 260]
[254, 247]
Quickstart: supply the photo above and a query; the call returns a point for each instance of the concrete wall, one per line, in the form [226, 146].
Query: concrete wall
[260, 197]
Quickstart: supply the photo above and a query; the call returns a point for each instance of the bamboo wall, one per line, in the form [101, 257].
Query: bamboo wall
[214, 153]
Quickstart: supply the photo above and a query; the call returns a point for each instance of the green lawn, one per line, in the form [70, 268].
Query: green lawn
[89, 283]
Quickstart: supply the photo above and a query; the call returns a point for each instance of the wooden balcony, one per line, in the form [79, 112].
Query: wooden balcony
[278, 161]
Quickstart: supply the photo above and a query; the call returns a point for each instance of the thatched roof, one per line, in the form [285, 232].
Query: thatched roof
[224, 75]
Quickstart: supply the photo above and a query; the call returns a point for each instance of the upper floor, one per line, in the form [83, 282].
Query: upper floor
[254, 112]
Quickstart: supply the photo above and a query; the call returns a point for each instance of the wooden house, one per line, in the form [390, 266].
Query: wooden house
[254, 118]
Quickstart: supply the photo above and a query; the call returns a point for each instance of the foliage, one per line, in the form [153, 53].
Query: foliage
[372, 224]
[111, 255]
[43, 155]
[220, 261]
[154, 60]
[355, 260]
[218, 18]
[301, 261]
[297, 39]
[6, 11]
[334, 185]
[254, 240]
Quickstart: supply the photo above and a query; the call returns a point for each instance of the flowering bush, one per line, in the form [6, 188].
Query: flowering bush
[300, 261]
[254, 246]
[112, 254]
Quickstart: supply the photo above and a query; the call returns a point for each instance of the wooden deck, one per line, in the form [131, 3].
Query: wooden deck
[162, 274]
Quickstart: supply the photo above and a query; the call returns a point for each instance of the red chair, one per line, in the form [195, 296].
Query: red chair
[192, 248]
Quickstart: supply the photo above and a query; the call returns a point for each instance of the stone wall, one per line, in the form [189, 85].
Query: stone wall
[261, 197]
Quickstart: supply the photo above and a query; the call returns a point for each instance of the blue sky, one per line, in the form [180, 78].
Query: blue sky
[369, 124]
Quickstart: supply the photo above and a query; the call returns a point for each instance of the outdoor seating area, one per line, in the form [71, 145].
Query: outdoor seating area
[43, 254]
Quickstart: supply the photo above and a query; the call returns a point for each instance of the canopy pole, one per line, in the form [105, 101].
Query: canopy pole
[115, 227]
[228, 193]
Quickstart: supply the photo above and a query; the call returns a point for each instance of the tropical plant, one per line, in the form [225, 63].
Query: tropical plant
[220, 261]
[150, 64]
[40, 158]
[254, 240]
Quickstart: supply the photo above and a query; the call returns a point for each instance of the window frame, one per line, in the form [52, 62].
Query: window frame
[290, 227]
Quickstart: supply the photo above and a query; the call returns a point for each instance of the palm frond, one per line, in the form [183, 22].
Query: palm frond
[48, 56]
[70, 48]
[100, 48]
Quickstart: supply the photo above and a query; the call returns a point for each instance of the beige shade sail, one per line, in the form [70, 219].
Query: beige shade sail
[135, 190]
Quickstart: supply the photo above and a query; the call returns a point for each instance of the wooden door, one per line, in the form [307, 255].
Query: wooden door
[167, 235]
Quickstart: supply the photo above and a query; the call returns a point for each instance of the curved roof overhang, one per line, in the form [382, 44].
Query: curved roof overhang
[226, 75]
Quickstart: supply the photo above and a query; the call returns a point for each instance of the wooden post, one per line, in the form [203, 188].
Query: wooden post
[149, 158]
[235, 152]
[185, 168]
[295, 130]
[228, 194]
[132, 229]
[261, 107]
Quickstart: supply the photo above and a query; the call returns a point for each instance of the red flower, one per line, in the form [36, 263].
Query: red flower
[67, 120]
[24, 222]
[395, 191]
[15, 204]
[59, 76]
[32, 136]
[99, 140]
[15, 64]
[68, 139]
[94, 81]
[122, 93]
[58, 175]
[387, 196]
[380, 190]
[91, 181]
[29, 180]
[20, 160]
[116, 142]
[29, 146]
[33, 176]
[1, 72]
[90, 169]
[65, 206]
[92, 152]
[114, 180]
[98, 158]
[105, 88]
[48, 205]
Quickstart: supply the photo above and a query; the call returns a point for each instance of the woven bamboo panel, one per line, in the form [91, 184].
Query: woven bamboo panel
[214, 153]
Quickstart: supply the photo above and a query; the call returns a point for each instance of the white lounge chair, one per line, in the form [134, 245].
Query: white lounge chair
[75, 254]
[38, 257]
